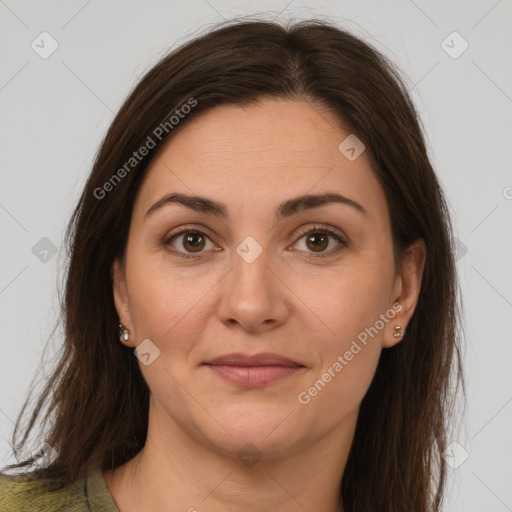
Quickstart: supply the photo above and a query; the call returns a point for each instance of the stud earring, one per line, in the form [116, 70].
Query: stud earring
[124, 333]
[398, 333]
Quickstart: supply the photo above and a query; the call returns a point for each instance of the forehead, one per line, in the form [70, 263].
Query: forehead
[248, 155]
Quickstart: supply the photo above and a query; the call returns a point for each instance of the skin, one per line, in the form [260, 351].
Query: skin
[307, 309]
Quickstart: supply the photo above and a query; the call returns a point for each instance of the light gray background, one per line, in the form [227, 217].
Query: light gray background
[55, 111]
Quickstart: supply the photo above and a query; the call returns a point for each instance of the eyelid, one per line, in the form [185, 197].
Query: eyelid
[330, 231]
[305, 230]
[323, 228]
[181, 231]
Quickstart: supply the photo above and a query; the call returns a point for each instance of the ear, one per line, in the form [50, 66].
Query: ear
[120, 293]
[406, 291]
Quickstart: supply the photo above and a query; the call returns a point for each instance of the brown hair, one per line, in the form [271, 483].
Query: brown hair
[98, 399]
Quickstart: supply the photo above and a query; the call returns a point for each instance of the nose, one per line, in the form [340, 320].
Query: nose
[253, 296]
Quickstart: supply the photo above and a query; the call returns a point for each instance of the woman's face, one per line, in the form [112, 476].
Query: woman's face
[256, 268]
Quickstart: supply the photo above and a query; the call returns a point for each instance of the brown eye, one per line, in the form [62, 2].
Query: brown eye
[317, 241]
[192, 242]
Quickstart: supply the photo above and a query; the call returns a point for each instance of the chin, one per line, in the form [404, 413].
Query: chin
[251, 446]
[256, 435]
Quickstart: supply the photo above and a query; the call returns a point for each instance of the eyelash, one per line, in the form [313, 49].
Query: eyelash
[318, 228]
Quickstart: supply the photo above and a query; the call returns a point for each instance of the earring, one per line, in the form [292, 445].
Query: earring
[398, 333]
[124, 333]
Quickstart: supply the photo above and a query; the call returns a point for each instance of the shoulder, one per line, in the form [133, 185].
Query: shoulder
[22, 492]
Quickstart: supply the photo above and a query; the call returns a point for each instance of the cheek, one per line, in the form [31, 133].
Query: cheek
[166, 303]
[340, 387]
[355, 309]
[353, 300]
[349, 357]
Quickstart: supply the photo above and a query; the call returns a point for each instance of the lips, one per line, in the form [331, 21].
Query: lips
[264, 359]
[253, 370]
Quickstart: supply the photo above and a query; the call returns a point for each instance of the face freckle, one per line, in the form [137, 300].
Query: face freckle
[257, 285]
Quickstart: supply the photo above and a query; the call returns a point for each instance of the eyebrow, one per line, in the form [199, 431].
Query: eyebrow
[285, 209]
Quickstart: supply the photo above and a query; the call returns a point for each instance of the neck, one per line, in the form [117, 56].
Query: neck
[178, 472]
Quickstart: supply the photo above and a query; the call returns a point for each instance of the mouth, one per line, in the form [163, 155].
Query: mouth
[253, 370]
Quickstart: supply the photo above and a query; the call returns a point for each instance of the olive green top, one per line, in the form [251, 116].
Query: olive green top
[90, 494]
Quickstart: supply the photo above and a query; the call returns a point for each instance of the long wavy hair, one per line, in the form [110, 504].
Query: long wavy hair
[96, 400]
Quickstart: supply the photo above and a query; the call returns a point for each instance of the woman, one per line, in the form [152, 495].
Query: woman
[260, 306]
